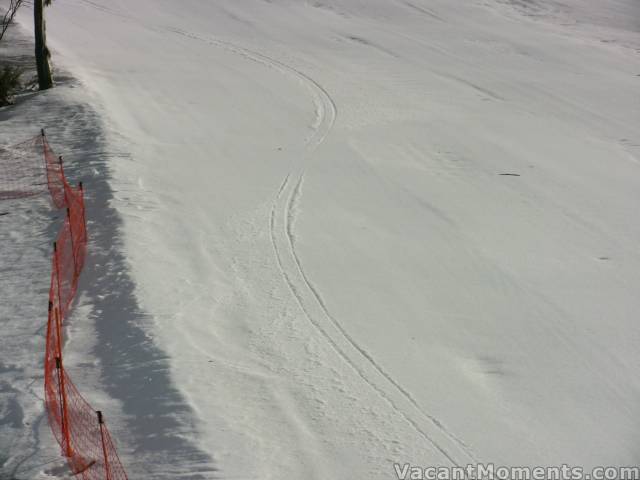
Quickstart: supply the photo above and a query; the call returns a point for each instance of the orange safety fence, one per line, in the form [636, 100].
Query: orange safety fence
[30, 168]
[80, 431]
[56, 181]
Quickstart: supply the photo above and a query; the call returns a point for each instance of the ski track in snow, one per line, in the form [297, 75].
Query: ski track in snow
[284, 206]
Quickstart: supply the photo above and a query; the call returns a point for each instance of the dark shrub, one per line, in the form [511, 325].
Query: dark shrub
[9, 83]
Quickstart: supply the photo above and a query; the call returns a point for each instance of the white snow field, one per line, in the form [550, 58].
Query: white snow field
[369, 232]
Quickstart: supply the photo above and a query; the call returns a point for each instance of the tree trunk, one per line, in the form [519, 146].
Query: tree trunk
[42, 53]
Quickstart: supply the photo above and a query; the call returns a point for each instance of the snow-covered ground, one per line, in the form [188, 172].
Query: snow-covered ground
[359, 232]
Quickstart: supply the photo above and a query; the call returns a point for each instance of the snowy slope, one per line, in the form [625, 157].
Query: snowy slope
[374, 231]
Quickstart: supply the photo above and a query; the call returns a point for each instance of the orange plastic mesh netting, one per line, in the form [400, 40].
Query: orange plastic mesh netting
[28, 169]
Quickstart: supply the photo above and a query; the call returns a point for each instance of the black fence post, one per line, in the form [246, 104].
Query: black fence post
[73, 246]
[107, 467]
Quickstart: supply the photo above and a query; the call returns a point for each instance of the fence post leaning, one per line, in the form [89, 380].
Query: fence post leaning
[57, 267]
[107, 468]
[63, 181]
[84, 220]
[44, 154]
[73, 246]
[64, 412]
[58, 319]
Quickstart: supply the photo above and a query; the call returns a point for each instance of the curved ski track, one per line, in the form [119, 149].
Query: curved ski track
[282, 217]
[307, 296]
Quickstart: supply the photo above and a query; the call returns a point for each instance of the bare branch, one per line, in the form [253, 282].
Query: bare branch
[8, 16]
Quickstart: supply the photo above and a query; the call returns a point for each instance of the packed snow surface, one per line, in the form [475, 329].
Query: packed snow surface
[369, 232]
